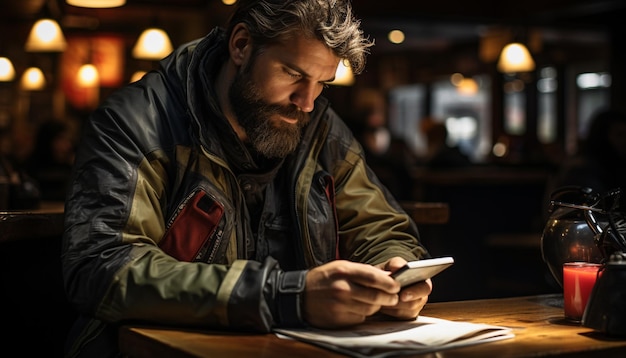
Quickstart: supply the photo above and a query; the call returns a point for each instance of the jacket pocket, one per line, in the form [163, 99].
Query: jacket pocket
[322, 219]
[195, 234]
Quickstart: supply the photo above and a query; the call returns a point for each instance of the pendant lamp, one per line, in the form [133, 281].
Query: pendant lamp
[137, 76]
[88, 76]
[467, 87]
[7, 71]
[96, 4]
[153, 44]
[344, 75]
[33, 79]
[515, 57]
[46, 36]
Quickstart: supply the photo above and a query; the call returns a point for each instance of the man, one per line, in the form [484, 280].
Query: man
[221, 191]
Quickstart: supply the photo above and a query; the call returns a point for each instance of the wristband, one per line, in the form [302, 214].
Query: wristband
[289, 299]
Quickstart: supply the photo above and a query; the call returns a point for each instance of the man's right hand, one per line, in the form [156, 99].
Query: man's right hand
[342, 293]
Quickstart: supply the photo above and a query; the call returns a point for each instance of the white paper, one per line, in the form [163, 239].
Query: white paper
[389, 338]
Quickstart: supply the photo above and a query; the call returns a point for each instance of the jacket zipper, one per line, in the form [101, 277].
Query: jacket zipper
[241, 246]
[304, 241]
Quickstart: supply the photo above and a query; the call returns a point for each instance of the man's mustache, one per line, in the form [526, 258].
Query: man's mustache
[290, 111]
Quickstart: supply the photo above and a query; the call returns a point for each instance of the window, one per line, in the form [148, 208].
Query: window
[514, 106]
[464, 110]
[546, 105]
[593, 94]
[467, 115]
[407, 109]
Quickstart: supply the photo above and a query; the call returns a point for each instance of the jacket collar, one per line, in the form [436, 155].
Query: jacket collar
[196, 64]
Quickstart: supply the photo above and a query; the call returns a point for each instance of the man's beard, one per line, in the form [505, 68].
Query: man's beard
[273, 138]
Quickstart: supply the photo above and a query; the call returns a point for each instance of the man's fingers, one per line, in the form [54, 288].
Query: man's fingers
[365, 275]
[365, 295]
[415, 291]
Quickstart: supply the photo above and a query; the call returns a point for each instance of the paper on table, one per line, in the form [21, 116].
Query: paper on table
[388, 338]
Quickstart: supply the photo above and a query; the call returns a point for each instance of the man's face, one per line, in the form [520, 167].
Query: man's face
[617, 132]
[272, 138]
[273, 92]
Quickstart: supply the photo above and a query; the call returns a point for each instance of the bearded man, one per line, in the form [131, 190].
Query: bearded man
[223, 191]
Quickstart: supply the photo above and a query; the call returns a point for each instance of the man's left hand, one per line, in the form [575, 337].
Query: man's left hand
[411, 299]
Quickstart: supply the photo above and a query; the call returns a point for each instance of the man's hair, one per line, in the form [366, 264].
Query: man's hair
[330, 21]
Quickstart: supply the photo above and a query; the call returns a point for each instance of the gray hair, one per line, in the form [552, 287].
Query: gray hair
[330, 21]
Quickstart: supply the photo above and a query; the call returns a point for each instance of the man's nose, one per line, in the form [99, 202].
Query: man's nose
[304, 97]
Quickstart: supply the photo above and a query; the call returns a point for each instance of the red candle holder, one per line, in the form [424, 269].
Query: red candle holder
[578, 281]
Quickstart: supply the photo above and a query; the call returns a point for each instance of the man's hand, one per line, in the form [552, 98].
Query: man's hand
[343, 293]
[411, 299]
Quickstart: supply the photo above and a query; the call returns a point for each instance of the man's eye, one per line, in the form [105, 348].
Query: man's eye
[293, 74]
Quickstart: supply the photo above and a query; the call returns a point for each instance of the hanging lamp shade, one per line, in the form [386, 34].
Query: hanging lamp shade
[46, 36]
[96, 4]
[153, 44]
[88, 76]
[33, 79]
[7, 71]
[515, 57]
[344, 75]
[137, 76]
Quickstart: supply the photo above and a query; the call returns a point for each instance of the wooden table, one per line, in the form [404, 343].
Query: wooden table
[427, 213]
[537, 321]
[33, 300]
[46, 221]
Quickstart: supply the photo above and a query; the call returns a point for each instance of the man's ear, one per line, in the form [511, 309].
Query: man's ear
[239, 44]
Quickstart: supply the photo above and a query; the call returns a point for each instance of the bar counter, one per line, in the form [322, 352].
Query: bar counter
[537, 321]
[45, 221]
[36, 315]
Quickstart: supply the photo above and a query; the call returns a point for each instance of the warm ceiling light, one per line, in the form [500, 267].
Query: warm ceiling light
[88, 76]
[7, 72]
[515, 58]
[396, 36]
[153, 44]
[46, 35]
[467, 87]
[96, 3]
[456, 78]
[344, 75]
[137, 76]
[228, 2]
[33, 79]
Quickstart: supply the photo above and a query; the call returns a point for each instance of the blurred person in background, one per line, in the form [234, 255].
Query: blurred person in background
[388, 156]
[600, 163]
[50, 162]
[439, 153]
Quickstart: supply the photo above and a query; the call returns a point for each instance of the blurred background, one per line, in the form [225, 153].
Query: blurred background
[444, 114]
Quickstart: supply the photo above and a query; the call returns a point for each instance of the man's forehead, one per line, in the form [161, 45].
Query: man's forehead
[303, 52]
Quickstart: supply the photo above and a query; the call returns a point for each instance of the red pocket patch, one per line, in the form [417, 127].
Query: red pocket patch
[193, 228]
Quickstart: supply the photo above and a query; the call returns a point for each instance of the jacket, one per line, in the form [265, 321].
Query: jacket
[156, 227]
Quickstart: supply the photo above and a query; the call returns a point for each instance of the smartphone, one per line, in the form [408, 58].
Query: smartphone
[420, 270]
